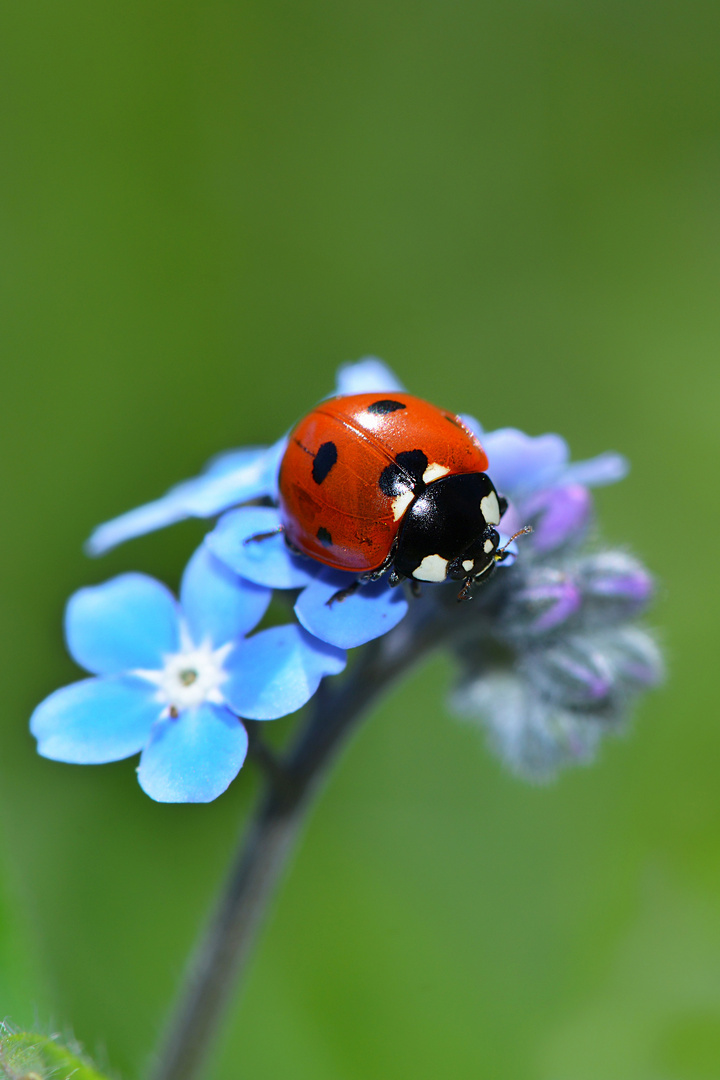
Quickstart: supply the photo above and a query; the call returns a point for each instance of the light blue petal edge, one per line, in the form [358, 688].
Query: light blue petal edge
[229, 479]
[606, 468]
[366, 376]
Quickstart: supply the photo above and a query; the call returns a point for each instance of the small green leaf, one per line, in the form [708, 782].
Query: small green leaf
[25, 1055]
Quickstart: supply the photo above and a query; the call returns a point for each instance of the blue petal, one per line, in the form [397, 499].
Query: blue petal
[520, 464]
[229, 479]
[604, 469]
[277, 671]
[366, 376]
[128, 622]
[368, 613]
[266, 562]
[229, 461]
[217, 604]
[193, 757]
[95, 721]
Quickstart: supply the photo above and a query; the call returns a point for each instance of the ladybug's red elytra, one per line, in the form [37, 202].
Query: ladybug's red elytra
[394, 485]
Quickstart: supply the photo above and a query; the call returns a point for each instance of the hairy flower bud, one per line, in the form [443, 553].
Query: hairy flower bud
[555, 662]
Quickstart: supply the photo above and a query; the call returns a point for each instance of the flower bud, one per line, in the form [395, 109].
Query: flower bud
[576, 672]
[533, 737]
[558, 515]
[548, 598]
[548, 706]
[615, 586]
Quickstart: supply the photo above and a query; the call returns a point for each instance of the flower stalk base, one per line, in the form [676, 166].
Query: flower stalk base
[266, 847]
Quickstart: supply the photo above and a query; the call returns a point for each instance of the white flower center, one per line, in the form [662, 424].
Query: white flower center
[190, 677]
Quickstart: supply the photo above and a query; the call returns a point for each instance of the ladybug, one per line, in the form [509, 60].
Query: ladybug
[393, 485]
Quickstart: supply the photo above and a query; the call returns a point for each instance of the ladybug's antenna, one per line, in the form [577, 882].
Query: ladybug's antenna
[500, 556]
[521, 532]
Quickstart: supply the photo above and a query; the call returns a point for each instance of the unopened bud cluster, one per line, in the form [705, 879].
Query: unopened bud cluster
[565, 660]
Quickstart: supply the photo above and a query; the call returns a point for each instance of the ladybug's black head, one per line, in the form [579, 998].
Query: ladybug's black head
[448, 531]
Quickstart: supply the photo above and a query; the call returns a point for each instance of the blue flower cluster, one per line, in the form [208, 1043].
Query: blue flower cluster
[172, 679]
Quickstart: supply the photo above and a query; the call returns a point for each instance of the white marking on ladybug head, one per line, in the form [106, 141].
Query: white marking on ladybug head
[433, 472]
[468, 565]
[490, 508]
[488, 546]
[432, 568]
[400, 503]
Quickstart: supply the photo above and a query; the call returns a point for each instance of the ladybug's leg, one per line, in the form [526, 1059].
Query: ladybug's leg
[263, 536]
[415, 588]
[466, 591]
[372, 575]
[342, 594]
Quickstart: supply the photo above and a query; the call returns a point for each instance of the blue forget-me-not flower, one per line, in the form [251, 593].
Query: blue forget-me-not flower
[548, 652]
[172, 679]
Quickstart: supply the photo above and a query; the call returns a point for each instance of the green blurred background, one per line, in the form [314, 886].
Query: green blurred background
[205, 208]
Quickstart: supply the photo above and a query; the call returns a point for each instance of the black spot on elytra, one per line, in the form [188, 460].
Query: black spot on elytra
[387, 405]
[324, 461]
[324, 536]
[405, 474]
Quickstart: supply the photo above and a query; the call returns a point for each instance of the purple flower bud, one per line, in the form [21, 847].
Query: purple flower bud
[636, 659]
[549, 599]
[535, 738]
[556, 515]
[617, 576]
[576, 672]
